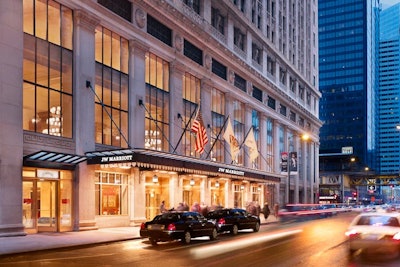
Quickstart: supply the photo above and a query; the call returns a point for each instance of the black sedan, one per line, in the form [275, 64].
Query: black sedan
[175, 225]
[233, 220]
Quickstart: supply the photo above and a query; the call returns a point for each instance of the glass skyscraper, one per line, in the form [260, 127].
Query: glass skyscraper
[348, 34]
[389, 91]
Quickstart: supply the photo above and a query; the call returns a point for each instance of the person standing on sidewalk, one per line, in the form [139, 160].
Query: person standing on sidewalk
[266, 211]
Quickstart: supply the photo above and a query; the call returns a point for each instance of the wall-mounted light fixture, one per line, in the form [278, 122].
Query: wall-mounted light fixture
[242, 187]
[155, 179]
[192, 182]
[217, 184]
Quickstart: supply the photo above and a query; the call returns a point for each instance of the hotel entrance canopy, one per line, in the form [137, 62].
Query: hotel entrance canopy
[150, 159]
[48, 159]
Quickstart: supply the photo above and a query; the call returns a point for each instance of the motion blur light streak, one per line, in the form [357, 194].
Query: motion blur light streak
[216, 249]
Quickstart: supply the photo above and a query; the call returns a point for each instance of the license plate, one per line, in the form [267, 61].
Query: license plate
[156, 227]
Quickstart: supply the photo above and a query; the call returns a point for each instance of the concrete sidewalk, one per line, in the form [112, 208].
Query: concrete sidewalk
[50, 240]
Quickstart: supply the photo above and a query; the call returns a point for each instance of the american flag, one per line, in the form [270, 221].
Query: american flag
[201, 133]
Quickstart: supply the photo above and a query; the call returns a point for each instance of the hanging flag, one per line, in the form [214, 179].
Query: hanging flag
[200, 131]
[229, 137]
[251, 143]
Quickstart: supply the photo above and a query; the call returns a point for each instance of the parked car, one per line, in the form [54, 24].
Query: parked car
[176, 225]
[233, 220]
[375, 233]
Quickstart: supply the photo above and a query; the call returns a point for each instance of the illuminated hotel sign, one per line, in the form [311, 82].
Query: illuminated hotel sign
[231, 171]
[116, 158]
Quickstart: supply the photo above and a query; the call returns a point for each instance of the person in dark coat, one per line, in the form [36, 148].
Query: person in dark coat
[266, 210]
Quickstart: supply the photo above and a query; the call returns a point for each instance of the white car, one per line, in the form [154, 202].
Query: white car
[375, 233]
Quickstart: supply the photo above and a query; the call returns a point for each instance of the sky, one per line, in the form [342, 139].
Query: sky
[388, 3]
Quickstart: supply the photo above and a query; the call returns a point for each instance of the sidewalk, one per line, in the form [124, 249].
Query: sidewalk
[44, 241]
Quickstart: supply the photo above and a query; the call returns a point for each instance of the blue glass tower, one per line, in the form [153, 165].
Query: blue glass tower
[389, 91]
[348, 78]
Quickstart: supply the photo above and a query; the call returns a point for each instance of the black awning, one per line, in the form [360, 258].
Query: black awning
[48, 159]
[158, 159]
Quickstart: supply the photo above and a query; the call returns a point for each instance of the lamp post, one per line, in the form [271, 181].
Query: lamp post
[292, 161]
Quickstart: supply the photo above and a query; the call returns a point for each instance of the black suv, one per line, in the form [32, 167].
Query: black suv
[233, 220]
[175, 225]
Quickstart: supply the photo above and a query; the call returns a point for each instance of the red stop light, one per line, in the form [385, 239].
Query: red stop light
[354, 194]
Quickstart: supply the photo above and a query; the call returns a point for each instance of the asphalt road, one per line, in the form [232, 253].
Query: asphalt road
[313, 243]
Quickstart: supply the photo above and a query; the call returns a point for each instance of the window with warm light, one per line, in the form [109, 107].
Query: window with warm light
[238, 126]
[157, 103]
[217, 123]
[111, 193]
[191, 99]
[47, 68]
[112, 79]
[269, 153]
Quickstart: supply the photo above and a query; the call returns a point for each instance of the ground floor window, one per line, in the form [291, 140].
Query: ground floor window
[111, 193]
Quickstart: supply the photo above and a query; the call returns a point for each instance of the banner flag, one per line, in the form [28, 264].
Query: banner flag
[200, 131]
[230, 138]
[251, 143]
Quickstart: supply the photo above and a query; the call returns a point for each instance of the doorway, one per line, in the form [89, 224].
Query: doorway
[46, 198]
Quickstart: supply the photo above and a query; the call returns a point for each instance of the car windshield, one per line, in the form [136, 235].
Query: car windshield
[378, 221]
[167, 216]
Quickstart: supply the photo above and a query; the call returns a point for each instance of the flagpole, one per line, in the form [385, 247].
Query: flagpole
[216, 138]
[184, 130]
[158, 127]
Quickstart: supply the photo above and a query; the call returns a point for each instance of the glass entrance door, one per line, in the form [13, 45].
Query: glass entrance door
[47, 206]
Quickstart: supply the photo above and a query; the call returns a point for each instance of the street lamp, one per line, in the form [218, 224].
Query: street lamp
[292, 162]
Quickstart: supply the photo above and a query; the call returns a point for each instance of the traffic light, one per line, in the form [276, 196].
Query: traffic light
[354, 194]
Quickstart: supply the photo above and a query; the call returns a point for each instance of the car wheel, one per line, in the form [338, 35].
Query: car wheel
[187, 237]
[153, 241]
[234, 230]
[214, 234]
[256, 227]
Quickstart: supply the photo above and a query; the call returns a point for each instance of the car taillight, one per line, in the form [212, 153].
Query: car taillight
[221, 221]
[142, 226]
[171, 227]
[352, 234]
[396, 237]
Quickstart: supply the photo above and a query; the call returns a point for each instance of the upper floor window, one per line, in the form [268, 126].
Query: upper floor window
[157, 103]
[191, 99]
[219, 69]
[123, 8]
[112, 80]
[240, 4]
[282, 110]
[240, 82]
[218, 20]
[193, 4]
[217, 122]
[257, 94]
[193, 52]
[47, 68]
[238, 38]
[238, 126]
[256, 13]
[159, 30]
[271, 103]
[256, 53]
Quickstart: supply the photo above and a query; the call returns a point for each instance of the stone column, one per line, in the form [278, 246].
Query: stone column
[83, 117]
[177, 71]
[137, 92]
[11, 140]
